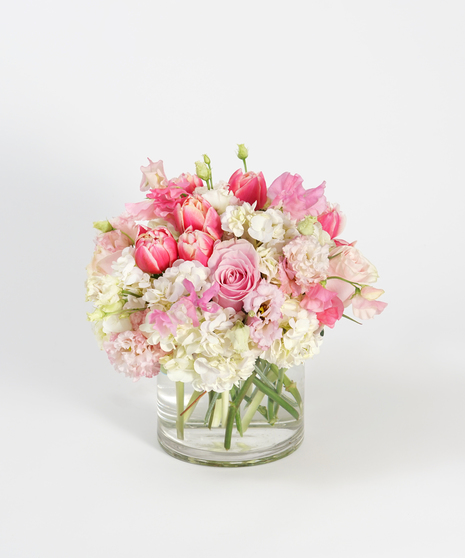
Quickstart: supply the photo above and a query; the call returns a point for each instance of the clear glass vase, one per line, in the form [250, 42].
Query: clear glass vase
[198, 428]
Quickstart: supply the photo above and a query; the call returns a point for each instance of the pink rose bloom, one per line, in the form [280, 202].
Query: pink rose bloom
[195, 245]
[153, 176]
[130, 354]
[349, 263]
[234, 266]
[365, 306]
[156, 250]
[287, 192]
[265, 301]
[332, 220]
[126, 224]
[188, 182]
[196, 213]
[327, 305]
[249, 187]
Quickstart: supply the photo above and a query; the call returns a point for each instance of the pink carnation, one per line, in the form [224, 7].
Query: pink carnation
[287, 192]
[130, 354]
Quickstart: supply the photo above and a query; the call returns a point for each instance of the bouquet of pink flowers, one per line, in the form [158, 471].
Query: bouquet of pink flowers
[216, 284]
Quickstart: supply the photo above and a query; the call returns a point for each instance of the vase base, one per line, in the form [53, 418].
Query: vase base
[241, 454]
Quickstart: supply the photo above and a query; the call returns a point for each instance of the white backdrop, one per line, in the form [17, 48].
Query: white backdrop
[366, 95]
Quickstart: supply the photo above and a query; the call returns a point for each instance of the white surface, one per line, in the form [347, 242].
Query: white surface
[367, 95]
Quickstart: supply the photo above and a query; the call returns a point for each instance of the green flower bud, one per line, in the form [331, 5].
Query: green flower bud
[103, 226]
[202, 171]
[242, 151]
[306, 225]
[206, 159]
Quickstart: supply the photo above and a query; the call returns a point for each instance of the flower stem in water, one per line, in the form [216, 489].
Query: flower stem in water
[179, 410]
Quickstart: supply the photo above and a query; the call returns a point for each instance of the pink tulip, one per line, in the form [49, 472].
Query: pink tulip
[249, 187]
[287, 192]
[195, 245]
[332, 220]
[156, 250]
[326, 304]
[196, 213]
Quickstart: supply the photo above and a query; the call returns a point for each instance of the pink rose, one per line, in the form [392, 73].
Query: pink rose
[196, 213]
[195, 245]
[249, 187]
[234, 266]
[332, 220]
[126, 224]
[287, 192]
[364, 304]
[153, 176]
[327, 305]
[156, 250]
[349, 263]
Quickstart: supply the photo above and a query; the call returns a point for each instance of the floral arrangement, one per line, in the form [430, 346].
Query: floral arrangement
[225, 284]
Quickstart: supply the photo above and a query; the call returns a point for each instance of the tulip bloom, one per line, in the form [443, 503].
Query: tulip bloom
[249, 187]
[156, 250]
[196, 213]
[195, 245]
[332, 221]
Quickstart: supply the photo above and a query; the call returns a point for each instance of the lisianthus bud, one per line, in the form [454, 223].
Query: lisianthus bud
[104, 226]
[202, 170]
[242, 151]
[249, 187]
[197, 213]
[156, 250]
[195, 245]
[206, 159]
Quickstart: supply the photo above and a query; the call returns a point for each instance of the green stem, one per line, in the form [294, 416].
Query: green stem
[351, 319]
[291, 387]
[195, 397]
[252, 409]
[276, 397]
[217, 413]
[233, 408]
[245, 165]
[279, 389]
[179, 410]
[346, 280]
[225, 405]
[212, 396]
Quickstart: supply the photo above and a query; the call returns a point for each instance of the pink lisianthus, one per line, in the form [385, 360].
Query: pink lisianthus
[332, 220]
[287, 278]
[186, 181]
[307, 259]
[287, 192]
[196, 213]
[265, 302]
[153, 176]
[327, 305]
[130, 354]
[350, 264]
[249, 187]
[234, 266]
[156, 250]
[364, 304]
[195, 245]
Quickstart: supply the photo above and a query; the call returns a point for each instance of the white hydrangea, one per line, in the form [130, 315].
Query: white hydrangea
[104, 291]
[269, 259]
[236, 218]
[220, 197]
[131, 276]
[301, 337]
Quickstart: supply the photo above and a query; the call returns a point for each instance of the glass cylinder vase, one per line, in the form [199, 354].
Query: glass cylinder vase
[219, 430]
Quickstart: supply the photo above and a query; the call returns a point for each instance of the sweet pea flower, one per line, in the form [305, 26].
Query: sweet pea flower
[287, 192]
[326, 304]
[156, 250]
[332, 220]
[153, 176]
[234, 266]
[364, 303]
[186, 181]
[195, 245]
[287, 279]
[249, 187]
[196, 213]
